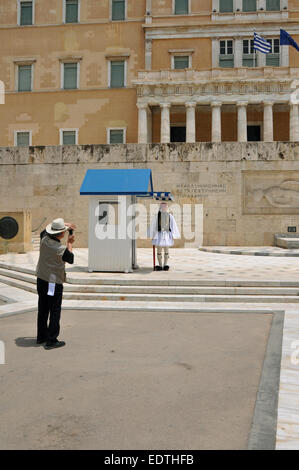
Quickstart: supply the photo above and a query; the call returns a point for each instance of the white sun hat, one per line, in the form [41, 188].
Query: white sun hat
[56, 226]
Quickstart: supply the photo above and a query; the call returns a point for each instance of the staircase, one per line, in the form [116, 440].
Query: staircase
[174, 291]
[35, 241]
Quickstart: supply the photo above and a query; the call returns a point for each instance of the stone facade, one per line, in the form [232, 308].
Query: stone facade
[207, 100]
[249, 191]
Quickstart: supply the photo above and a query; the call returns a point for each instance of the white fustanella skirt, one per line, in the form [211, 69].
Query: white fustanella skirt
[163, 238]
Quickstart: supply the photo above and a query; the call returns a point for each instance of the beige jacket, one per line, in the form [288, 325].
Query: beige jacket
[50, 266]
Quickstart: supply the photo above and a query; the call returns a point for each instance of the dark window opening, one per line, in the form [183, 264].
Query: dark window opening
[253, 133]
[178, 134]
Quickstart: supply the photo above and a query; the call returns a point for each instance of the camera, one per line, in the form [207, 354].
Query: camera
[71, 231]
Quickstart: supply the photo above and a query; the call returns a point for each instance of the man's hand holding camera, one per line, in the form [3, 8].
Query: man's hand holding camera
[71, 237]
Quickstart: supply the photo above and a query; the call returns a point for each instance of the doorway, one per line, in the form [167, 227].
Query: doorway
[178, 134]
[253, 133]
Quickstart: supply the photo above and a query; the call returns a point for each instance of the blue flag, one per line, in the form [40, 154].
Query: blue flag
[287, 40]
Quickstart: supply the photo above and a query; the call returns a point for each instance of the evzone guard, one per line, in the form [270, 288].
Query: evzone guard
[163, 230]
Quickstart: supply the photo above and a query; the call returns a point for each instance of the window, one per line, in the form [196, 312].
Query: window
[181, 7]
[181, 62]
[68, 136]
[273, 58]
[178, 134]
[24, 77]
[253, 133]
[249, 5]
[117, 74]
[70, 76]
[116, 136]
[71, 11]
[226, 6]
[118, 10]
[226, 57]
[25, 13]
[22, 138]
[273, 5]
[249, 54]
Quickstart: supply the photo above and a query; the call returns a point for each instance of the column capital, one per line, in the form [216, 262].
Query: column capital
[191, 104]
[293, 104]
[215, 104]
[268, 103]
[142, 105]
[241, 103]
[165, 105]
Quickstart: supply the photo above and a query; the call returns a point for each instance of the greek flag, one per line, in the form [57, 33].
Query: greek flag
[261, 44]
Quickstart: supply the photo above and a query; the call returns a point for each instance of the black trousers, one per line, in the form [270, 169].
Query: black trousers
[48, 304]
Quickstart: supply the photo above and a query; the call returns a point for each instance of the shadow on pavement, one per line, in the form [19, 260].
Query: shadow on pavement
[27, 342]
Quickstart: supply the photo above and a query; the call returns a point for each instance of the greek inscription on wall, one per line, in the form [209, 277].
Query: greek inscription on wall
[199, 190]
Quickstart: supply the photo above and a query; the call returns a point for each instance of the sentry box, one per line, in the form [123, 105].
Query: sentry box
[112, 196]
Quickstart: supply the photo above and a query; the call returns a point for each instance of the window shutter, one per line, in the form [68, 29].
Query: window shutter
[23, 139]
[118, 10]
[69, 138]
[181, 62]
[273, 5]
[226, 6]
[71, 11]
[117, 74]
[249, 5]
[24, 78]
[272, 60]
[226, 61]
[70, 76]
[181, 7]
[116, 136]
[248, 60]
[26, 13]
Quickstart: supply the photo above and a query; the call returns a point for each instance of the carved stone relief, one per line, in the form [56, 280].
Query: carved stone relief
[271, 192]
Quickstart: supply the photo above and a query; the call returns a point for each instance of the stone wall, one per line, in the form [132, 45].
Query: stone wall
[249, 191]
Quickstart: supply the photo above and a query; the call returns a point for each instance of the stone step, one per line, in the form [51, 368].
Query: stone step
[35, 242]
[180, 298]
[27, 286]
[288, 243]
[132, 280]
[30, 278]
[154, 290]
[145, 298]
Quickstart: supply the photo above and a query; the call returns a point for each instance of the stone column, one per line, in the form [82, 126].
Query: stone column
[165, 123]
[142, 123]
[242, 121]
[190, 122]
[149, 6]
[268, 121]
[148, 54]
[215, 52]
[238, 55]
[294, 123]
[216, 121]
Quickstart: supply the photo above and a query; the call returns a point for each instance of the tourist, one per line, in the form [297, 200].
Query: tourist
[50, 274]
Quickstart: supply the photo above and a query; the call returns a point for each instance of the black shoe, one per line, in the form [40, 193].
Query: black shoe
[158, 268]
[54, 344]
[166, 268]
[41, 341]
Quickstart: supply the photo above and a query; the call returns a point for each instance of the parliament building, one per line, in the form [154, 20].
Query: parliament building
[147, 71]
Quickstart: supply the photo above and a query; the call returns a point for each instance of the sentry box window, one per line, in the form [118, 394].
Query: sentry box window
[108, 213]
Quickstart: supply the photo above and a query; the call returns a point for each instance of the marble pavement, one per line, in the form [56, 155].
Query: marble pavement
[208, 268]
